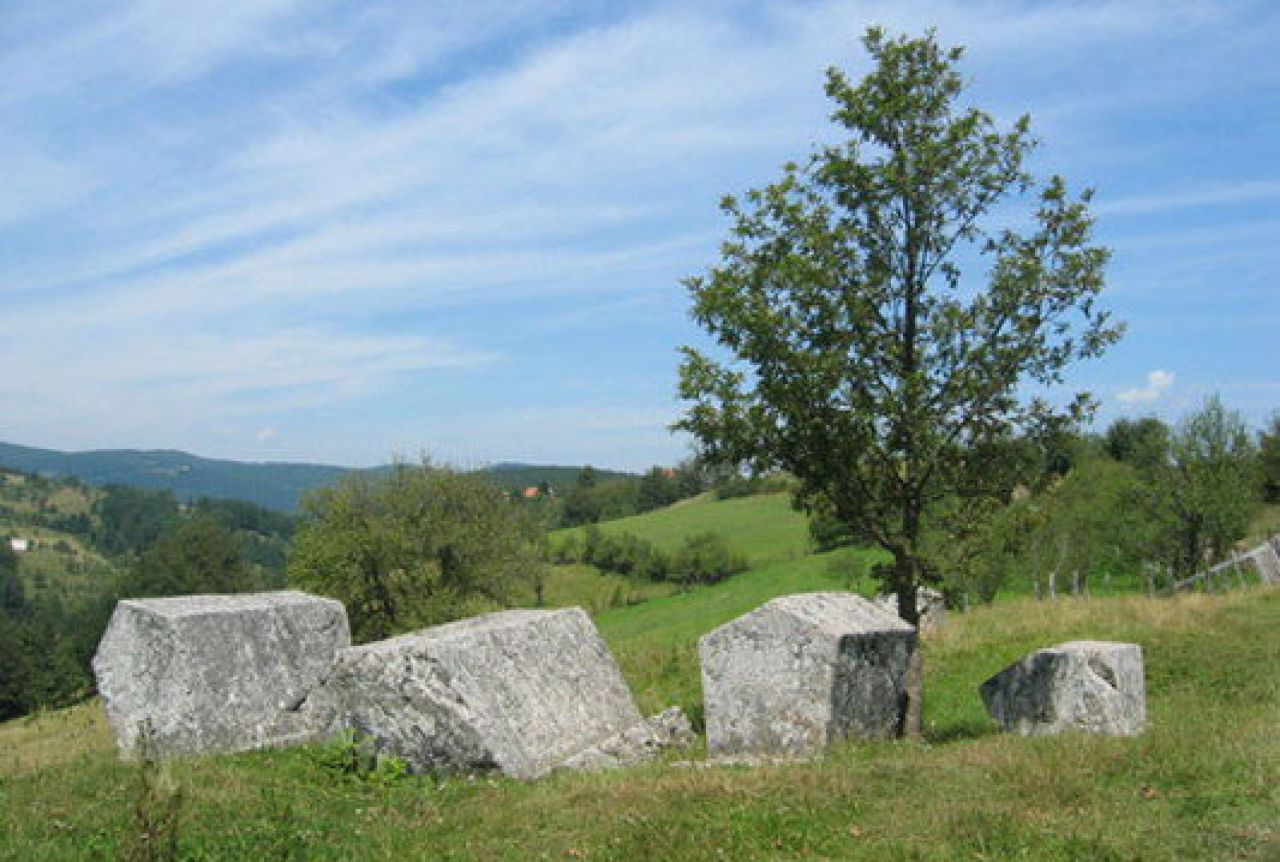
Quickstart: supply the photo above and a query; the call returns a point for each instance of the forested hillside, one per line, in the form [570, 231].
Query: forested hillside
[68, 551]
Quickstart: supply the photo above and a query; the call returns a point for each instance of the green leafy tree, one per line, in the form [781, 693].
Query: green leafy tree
[658, 488]
[1269, 460]
[1208, 493]
[415, 547]
[198, 556]
[132, 519]
[863, 355]
[1141, 443]
[13, 599]
[1090, 523]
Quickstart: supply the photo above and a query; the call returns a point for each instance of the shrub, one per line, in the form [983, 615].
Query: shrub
[707, 558]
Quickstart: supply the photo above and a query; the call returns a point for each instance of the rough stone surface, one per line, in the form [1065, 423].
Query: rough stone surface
[516, 691]
[637, 744]
[801, 672]
[218, 673]
[930, 603]
[1086, 686]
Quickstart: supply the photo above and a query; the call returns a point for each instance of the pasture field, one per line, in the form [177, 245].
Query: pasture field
[763, 527]
[1202, 783]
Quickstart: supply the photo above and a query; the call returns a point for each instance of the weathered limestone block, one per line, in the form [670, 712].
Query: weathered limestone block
[1087, 686]
[637, 744]
[801, 672]
[516, 691]
[218, 673]
[930, 603]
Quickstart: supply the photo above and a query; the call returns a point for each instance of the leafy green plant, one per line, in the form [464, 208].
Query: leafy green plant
[355, 755]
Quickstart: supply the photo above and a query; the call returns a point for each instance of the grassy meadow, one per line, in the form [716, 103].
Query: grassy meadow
[1202, 783]
[764, 528]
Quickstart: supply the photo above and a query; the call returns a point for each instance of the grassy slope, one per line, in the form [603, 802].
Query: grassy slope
[764, 527]
[1201, 784]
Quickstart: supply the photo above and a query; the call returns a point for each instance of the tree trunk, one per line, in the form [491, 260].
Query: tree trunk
[908, 608]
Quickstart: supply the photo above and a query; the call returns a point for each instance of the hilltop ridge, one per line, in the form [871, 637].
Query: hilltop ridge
[275, 485]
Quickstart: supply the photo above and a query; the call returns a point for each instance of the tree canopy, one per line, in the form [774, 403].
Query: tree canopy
[878, 313]
[197, 556]
[415, 547]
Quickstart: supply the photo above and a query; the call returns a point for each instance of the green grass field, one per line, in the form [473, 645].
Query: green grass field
[1202, 783]
[764, 528]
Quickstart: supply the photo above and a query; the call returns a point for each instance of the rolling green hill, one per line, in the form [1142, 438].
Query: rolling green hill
[273, 485]
[763, 527]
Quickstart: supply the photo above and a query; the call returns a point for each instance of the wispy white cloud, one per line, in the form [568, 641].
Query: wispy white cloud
[1222, 194]
[214, 207]
[1158, 383]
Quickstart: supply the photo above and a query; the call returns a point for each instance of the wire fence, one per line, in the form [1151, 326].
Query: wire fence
[1262, 563]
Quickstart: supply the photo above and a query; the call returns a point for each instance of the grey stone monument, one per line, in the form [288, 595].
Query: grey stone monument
[1086, 686]
[204, 674]
[802, 672]
[520, 692]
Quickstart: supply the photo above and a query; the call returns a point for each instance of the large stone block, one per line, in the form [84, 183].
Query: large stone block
[518, 691]
[801, 672]
[1087, 686]
[216, 673]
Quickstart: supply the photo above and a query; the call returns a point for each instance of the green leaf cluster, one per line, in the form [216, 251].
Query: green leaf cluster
[417, 546]
[879, 312]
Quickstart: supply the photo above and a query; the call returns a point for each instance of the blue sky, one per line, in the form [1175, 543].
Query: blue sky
[286, 230]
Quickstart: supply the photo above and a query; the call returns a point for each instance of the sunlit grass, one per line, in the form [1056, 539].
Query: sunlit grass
[1200, 784]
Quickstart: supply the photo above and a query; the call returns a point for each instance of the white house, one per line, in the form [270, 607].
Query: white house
[20, 546]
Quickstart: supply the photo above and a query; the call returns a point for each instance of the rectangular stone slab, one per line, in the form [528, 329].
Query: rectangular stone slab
[516, 691]
[1084, 686]
[218, 673]
[802, 672]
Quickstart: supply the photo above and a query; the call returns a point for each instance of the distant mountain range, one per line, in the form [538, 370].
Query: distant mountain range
[274, 485]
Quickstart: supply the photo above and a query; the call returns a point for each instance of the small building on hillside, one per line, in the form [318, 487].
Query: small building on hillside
[20, 546]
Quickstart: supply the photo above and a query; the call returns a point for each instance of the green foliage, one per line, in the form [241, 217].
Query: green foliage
[597, 496]
[198, 556]
[707, 558]
[1208, 492]
[1269, 460]
[13, 600]
[702, 558]
[414, 547]
[354, 755]
[1140, 443]
[131, 519]
[1092, 523]
[865, 361]
[658, 488]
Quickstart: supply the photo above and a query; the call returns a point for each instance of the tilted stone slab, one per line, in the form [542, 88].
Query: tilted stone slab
[216, 673]
[1086, 686]
[516, 691]
[802, 672]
